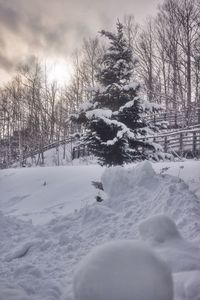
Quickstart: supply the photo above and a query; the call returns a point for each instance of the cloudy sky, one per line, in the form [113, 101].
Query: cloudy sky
[54, 28]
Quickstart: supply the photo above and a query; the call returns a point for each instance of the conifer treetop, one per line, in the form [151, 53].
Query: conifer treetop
[116, 130]
[117, 62]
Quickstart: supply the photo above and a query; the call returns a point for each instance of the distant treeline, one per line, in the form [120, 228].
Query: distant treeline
[35, 111]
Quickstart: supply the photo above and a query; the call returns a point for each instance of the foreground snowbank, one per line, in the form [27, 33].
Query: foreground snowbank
[123, 269]
[188, 170]
[183, 257]
[142, 193]
[11, 292]
[39, 261]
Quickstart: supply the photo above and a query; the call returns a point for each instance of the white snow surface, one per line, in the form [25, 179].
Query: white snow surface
[42, 194]
[99, 113]
[50, 221]
[123, 269]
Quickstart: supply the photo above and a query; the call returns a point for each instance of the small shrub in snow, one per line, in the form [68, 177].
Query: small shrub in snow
[163, 170]
[98, 198]
[122, 270]
[179, 172]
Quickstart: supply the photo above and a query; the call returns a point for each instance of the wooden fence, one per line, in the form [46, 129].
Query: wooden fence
[182, 135]
[174, 119]
[182, 142]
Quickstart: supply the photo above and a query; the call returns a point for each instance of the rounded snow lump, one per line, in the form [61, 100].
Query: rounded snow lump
[122, 270]
[159, 229]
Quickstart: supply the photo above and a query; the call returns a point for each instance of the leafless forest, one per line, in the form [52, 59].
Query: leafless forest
[35, 112]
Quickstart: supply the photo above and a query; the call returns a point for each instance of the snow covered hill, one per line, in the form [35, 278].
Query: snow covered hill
[40, 194]
[50, 221]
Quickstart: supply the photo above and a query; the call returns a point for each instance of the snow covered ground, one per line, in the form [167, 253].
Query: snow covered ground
[41, 194]
[50, 221]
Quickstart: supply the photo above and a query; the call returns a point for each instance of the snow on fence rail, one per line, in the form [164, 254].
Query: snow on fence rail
[48, 147]
[184, 142]
[177, 119]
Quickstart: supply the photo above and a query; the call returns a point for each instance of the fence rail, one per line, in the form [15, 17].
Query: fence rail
[183, 142]
[182, 135]
[48, 147]
[177, 119]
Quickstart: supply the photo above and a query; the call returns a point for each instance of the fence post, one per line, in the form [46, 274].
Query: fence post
[198, 115]
[165, 144]
[154, 119]
[175, 120]
[181, 142]
[72, 148]
[194, 142]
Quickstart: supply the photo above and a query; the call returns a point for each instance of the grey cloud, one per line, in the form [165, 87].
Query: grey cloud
[5, 63]
[56, 26]
[9, 17]
[2, 42]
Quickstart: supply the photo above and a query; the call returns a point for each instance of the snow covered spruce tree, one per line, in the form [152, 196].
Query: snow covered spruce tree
[114, 119]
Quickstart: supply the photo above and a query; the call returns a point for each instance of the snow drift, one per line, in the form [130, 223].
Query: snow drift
[142, 193]
[39, 261]
[123, 270]
[159, 229]
[10, 292]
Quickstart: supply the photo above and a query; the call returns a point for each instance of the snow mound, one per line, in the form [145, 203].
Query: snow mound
[8, 292]
[118, 179]
[19, 252]
[159, 229]
[161, 233]
[122, 270]
[40, 260]
[140, 193]
[95, 213]
[8, 226]
[187, 285]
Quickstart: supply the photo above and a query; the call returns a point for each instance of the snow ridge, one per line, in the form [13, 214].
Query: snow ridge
[39, 261]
